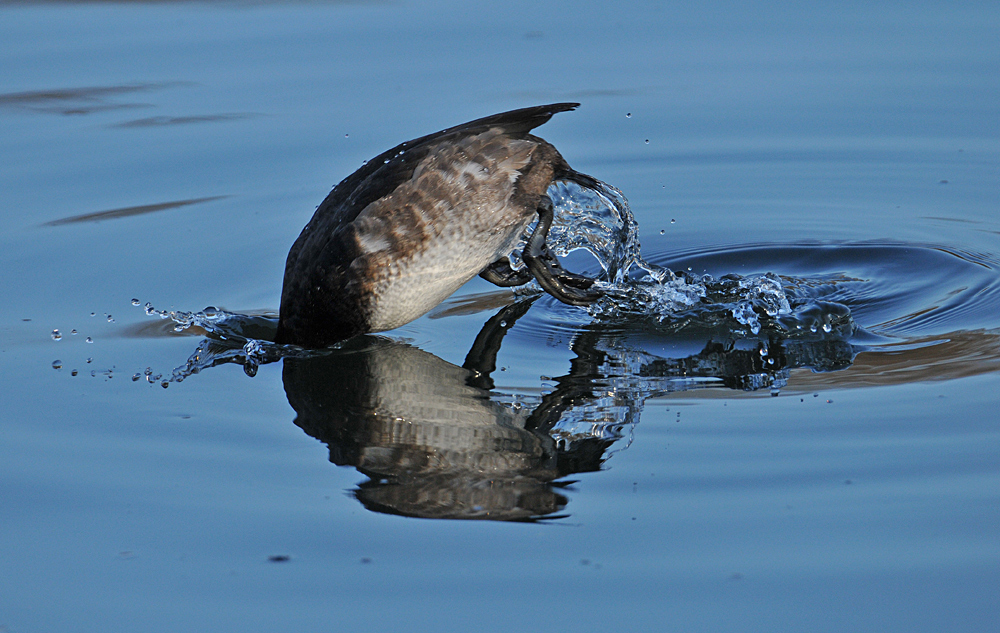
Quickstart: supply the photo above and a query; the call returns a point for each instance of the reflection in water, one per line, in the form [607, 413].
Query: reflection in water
[432, 444]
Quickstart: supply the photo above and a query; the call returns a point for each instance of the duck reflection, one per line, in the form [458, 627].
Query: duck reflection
[429, 435]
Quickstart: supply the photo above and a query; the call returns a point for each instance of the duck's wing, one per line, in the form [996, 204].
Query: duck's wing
[382, 174]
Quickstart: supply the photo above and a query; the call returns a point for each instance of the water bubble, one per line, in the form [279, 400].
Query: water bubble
[90, 340]
[57, 364]
[135, 302]
[56, 335]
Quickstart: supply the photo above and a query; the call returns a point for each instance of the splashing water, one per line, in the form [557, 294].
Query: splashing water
[234, 338]
[599, 221]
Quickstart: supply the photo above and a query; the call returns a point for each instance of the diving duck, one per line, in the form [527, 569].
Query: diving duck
[412, 225]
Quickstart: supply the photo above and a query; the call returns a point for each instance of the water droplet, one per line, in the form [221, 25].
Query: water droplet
[628, 115]
[90, 360]
[672, 221]
[149, 371]
[111, 319]
[647, 141]
[347, 136]
[662, 231]
[73, 373]
[136, 377]
[90, 340]
[164, 384]
[56, 335]
[93, 314]
[135, 302]
[73, 332]
[503, 324]
[57, 364]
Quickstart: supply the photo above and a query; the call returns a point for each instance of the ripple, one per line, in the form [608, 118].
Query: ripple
[894, 290]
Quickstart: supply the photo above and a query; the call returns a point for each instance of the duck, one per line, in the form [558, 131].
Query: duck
[414, 224]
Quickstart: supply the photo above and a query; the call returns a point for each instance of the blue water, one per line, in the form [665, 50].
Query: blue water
[171, 152]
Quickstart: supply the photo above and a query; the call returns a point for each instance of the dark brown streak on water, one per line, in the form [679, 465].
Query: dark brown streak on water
[70, 101]
[125, 212]
[158, 121]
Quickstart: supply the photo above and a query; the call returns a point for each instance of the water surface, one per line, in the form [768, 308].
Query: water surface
[658, 474]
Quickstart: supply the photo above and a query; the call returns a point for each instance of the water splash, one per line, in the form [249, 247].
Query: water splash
[233, 338]
[598, 220]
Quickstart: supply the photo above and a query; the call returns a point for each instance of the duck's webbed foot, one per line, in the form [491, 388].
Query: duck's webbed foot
[563, 285]
[501, 274]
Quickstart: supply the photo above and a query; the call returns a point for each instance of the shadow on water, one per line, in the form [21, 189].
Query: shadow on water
[436, 440]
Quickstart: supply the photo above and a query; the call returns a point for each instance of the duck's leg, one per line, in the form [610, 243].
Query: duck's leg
[561, 284]
[501, 274]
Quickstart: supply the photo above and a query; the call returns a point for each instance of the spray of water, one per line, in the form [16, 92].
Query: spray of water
[599, 221]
